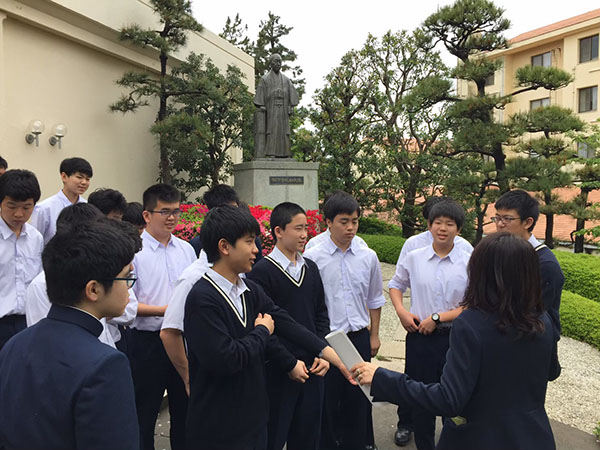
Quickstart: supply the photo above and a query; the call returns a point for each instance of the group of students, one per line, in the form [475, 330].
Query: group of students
[236, 340]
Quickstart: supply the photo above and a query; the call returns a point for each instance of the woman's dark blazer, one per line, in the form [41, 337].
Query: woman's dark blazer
[495, 382]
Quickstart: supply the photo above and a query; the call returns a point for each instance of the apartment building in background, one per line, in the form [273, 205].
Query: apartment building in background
[570, 45]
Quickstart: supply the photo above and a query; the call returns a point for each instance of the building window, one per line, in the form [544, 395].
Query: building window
[540, 102]
[490, 81]
[543, 60]
[585, 151]
[588, 99]
[588, 48]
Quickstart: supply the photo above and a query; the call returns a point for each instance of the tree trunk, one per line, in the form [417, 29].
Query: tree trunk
[165, 169]
[580, 224]
[480, 213]
[408, 211]
[549, 239]
[500, 164]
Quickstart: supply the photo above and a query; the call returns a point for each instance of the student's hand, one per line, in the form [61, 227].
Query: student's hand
[375, 345]
[265, 320]
[330, 355]
[409, 321]
[319, 367]
[427, 326]
[363, 372]
[299, 372]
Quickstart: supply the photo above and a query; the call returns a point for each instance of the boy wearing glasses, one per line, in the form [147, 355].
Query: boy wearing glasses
[158, 266]
[61, 387]
[517, 212]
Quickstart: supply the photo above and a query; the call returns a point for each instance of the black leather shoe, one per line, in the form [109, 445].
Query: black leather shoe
[371, 447]
[402, 437]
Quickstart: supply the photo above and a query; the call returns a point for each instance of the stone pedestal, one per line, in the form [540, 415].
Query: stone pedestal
[269, 182]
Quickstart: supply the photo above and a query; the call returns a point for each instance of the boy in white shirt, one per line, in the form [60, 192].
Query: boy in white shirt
[21, 248]
[75, 174]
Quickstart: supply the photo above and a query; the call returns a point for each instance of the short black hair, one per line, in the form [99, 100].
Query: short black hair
[340, 203]
[128, 229]
[88, 251]
[450, 209]
[71, 166]
[3, 163]
[77, 214]
[283, 214]
[225, 222]
[525, 204]
[108, 200]
[133, 214]
[161, 191]
[220, 195]
[20, 185]
[429, 203]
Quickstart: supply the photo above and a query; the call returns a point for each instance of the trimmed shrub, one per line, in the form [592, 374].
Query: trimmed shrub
[372, 225]
[582, 274]
[387, 247]
[580, 318]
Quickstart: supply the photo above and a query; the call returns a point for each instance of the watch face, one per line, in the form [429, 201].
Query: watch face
[435, 317]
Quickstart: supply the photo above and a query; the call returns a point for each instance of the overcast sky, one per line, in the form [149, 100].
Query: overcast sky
[325, 30]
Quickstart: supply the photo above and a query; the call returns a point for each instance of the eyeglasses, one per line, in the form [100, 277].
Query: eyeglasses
[504, 219]
[168, 212]
[130, 281]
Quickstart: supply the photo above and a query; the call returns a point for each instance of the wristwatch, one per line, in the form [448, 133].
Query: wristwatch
[436, 318]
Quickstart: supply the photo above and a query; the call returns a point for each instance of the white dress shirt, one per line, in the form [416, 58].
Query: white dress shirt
[20, 262]
[352, 282]
[326, 235]
[436, 284]
[233, 291]
[46, 212]
[176, 309]
[533, 241]
[38, 304]
[295, 270]
[157, 269]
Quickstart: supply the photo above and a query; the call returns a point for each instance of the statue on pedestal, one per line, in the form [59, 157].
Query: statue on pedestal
[275, 100]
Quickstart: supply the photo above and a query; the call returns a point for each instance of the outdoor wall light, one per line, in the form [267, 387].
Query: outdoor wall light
[36, 128]
[58, 132]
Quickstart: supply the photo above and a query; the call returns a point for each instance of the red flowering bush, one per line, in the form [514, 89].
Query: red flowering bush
[193, 216]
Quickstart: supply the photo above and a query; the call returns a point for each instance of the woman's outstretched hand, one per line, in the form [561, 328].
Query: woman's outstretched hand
[363, 372]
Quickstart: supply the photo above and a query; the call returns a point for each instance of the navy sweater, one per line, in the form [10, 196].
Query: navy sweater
[304, 300]
[228, 403]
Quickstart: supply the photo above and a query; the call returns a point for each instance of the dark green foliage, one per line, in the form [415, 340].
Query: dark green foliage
[535, 77]
[580, 318]
[582, 273]
[373, 225]
[387, 247]
[236, 33]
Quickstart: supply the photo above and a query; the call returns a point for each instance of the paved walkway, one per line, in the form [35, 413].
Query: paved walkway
[391, 356]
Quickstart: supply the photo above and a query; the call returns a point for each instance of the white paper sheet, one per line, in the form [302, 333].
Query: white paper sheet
[348, 354]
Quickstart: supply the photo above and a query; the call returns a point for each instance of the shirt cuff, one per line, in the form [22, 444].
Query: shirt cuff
[376, 302]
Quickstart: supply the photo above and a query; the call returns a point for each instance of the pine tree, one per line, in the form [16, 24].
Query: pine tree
[175, 17]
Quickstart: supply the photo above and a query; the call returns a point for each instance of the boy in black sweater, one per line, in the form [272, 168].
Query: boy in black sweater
[295, 383]
[227, 325]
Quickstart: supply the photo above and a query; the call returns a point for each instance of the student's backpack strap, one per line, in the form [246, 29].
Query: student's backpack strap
[539, 247]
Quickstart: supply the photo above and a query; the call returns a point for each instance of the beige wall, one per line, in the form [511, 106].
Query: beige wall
[58, 63]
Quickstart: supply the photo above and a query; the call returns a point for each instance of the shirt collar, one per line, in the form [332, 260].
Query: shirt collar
[5, 230]
[453, 255]
[227, 286]
[76, 316]
[331, 247]
[65, 201]
[147, 238]
[533, 241]
[278, 256]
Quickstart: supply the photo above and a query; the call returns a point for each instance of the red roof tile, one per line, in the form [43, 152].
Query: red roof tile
[556, 26]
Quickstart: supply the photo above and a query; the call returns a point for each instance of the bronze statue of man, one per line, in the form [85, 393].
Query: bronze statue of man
[275, 99]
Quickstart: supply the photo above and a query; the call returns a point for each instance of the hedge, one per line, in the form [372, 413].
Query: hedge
[582, 273]
[373, 225]
[580, 318]
[387, 247]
